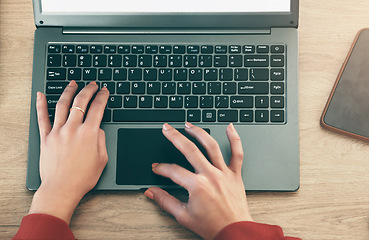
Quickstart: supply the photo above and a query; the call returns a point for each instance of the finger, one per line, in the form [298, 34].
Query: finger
[43, 116]
[63, 105]
[102, 147]
[96, 110]
[177, 174]
[81, 101]
[211, 146]
[168, 203]
[236, 148]
[187, 148]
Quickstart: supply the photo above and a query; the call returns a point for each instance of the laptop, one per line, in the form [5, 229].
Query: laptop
[206, 62]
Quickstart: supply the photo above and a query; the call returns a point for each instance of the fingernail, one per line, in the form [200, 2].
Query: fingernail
[188, 125]
[93, 83]
[104, 88]
[232, 127]
[149, 194]
[72, 83]
[39, 95]
[154, 165]
[166, 126]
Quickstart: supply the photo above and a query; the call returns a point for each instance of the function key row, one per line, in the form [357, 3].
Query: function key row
[166, 49]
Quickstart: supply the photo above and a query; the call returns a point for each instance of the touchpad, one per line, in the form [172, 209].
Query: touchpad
[139, 148]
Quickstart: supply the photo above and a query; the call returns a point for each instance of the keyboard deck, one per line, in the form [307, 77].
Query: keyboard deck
[175, 83]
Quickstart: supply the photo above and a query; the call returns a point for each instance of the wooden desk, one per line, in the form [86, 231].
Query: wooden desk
[332, 203]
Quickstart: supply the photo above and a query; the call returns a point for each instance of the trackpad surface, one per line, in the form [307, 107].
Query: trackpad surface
[138, 148]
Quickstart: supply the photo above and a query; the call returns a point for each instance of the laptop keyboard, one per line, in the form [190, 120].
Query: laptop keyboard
[175, 83]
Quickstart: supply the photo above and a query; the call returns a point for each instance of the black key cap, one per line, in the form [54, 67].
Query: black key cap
[229, 88]
[227, 116]
[259, 74]
[242, 102]
[82, 49]
[115, 102]
[277, 49]
[150, 74]
[193, 49]
[160, 101]
[262, 102]
[110, 49]
[191, 102]
[124, 49]
[120, 74]
[84, 60]
[220, 61]
[208, 115]
[145, 60]
[165, 49]
[106, 116]
[54, 49]
[221, 49]
[123, 87]
[277, 88]
[195, 74]
[183, 88]
[214, 88]
[206, 102]
[74, 74]
[165, 74]
[190, 61]
[256, 61]
[104, 74]
[68, 49]
[226, 74]
[51, 115]
[262, 49]
[211, 74]
[52, 100]
[241, 74]
[198, 88]
[153, 88]
[253, 88]
[277, 116]
[96, 49]
[100, 60]
[277, 74]
[176, 102]
[89, 74]
[246, 116]
[277, 61]
[151, 49]
[54, 60]
[138, 49]
[205, 60]
[235, 49]
[169, 88]
[55, 87]
[235, 61]
[277, 102]
[135, 74]
[179, 49]
[175, 61]
[81, 85]
[249, 49]
[193, 116]
[145, 101]
[69, 60]
[138, 88]
[261, 116]
[160, 60]
[130, 102]
[180, 74]
[115, 61]
[56, 74]
[221, 102]
[129, 60]
[110, 86]
[206, 49]
[149, 115]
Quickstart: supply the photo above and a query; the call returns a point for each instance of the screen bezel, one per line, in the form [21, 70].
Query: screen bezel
[171, 20]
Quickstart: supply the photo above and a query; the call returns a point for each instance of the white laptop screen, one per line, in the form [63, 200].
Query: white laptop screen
[164, 6]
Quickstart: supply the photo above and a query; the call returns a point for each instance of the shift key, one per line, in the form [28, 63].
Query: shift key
[253, 88]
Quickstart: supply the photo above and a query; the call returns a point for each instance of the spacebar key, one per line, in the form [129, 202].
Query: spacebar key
[149, 115]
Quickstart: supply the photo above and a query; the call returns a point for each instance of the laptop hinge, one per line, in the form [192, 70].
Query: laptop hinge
[117, 31]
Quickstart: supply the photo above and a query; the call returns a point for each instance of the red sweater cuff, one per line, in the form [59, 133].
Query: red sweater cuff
[43, 227]
[252, 231]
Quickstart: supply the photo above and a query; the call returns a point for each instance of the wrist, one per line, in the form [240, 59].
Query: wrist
[54, 202]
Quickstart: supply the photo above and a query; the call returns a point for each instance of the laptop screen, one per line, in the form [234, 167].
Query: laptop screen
[164, 6]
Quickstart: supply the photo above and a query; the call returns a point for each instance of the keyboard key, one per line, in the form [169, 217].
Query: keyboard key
[52, 100]
[54, 60]
[115, 61]
[211, 74]
[193, 116]
[256, 61]
[123, 87]
[235, 49]
[169, 88]
[241, 74]
[277, 74]
[235, 61]
[104, 74]
[229, 88]
[81, 85]
[129, 102]
[150, 74]
[221, 102]
[149, 115]
[106, 116]
[206, 102]
[175, 61]
[74, 74]
[145, 102]
[176, 102]
[110, 86]
[206, 49]
[253, 88]
[165, 74]
[277, 49]
[100, 60]
[51, 115]
[205, 60]
[195, 74]
[137, 49]
[193, 49]
[69, 60]
[55, 87]
[153, 88]
[160, 60]
[68, 49]
[56, 74]
[220, 61]
[259, 74]
[110, 49]
[145, 61]
[277, 102]
[138, 88]
[277, 88]
[179, 49]
[115, 101]
[226, 74]
[89, 74]
[277, 61]
[129, 60]
[198, 88]
[180, 74]
[96, 49]
[246, 116]
[124, 49]
[221, 49]
[227, 116]
[54, 49]
[190, 61]
[82, 49]
[191, 102]
[165, 49]
[151, 49]
[262, 49]
[249, 49]
[262, 102]
[120, 74]
[183, 88]
[84, 60]
[261, 116]
[242, 102]
[277, 116]
[134, 74]
[214, 88]
[208, 115]
[160, 101]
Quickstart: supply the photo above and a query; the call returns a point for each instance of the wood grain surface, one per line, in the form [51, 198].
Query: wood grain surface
[332, 203]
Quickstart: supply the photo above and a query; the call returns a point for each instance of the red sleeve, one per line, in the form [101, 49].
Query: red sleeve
[252, 231]
[43, 227]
